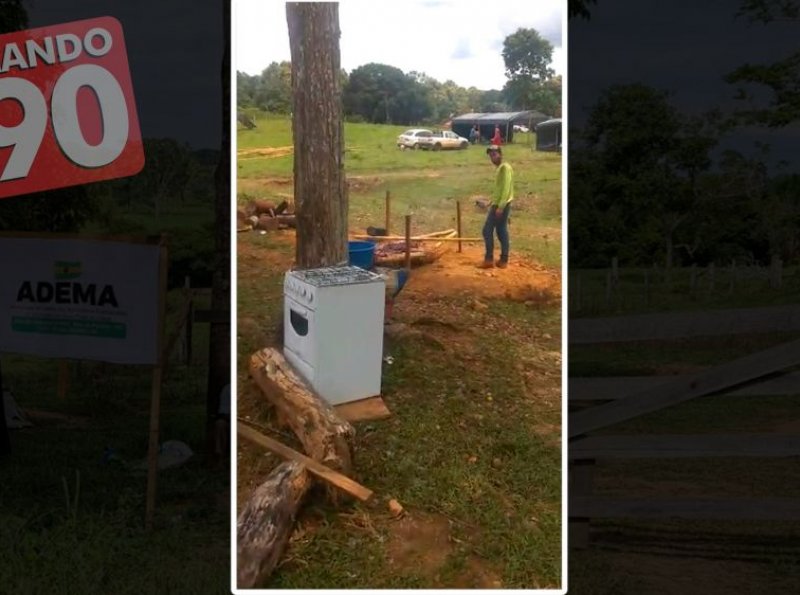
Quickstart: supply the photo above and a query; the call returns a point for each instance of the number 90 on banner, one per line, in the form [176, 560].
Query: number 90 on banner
[67, 108]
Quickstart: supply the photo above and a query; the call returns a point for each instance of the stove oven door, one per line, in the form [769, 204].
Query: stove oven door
[299, 337]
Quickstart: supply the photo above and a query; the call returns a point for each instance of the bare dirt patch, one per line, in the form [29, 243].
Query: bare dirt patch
[457, 274]
[419, 543]
[269, 152]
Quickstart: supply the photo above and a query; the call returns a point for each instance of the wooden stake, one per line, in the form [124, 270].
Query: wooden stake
[63, 378]
[408, 242]
[189, 322]
[388, 211]
[458, 223]
[155, 400]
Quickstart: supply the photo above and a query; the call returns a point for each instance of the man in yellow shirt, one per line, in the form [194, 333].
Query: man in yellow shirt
[499, 209]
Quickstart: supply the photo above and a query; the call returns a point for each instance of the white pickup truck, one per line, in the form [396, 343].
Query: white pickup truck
[444, 139]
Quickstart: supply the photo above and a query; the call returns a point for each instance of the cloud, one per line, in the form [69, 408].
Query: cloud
[462, 51]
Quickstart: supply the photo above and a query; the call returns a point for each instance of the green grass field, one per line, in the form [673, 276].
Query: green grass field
[472, 450]
[425, 184]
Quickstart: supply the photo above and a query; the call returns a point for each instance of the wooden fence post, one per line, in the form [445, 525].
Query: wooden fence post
[581, 480]
[458, 222]
[388, 212]
[408, 242]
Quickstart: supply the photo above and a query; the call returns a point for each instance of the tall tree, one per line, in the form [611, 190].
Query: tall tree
[319, 180]
[781, 78]
[527, 56]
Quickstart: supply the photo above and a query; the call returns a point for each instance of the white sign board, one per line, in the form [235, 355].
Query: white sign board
[80, 299]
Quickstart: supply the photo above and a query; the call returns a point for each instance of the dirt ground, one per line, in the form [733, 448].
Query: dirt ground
[269, 152]
[457, 274]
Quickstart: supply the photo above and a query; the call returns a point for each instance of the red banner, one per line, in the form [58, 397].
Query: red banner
[67, 109]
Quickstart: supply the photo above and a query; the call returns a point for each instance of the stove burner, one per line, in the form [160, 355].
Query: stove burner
[340, 275]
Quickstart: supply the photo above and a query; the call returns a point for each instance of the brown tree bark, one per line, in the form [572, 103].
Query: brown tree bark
[219, 350]
[319, 181]
[267, 521]
[325, 436]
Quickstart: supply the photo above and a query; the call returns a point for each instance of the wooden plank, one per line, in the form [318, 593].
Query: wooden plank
[364, 410]
[766, 509]
[684, 388]
[682, 325]
[319, 470]
[414, 238]
[671, 446]
[620, 387]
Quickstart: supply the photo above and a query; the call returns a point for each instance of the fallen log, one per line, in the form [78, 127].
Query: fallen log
[281, 208]
[325, 437]
[331, 477]
[267, 223]
[288, 220]
[266, 522]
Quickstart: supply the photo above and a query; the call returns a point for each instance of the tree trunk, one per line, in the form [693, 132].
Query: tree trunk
[219, 364]
[319, 181]
[266, 523]
[325, 436]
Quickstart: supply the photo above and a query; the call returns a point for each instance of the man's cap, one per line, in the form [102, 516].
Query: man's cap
[494, 149]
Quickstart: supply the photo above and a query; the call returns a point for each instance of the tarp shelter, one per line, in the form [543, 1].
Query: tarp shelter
[548, 135]
[486, 122]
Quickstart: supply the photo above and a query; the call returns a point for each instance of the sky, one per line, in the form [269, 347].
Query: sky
[460, 40]
[683, 47]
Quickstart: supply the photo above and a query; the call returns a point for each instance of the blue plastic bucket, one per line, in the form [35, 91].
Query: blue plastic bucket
[362, 254]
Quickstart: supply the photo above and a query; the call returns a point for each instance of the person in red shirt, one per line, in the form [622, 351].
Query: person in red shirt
[497, 140]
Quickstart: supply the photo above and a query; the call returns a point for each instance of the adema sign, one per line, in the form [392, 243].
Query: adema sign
[80, 299]
[67, 109]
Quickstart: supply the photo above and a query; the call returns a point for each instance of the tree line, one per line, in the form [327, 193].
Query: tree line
[649, 184]
[384, 94]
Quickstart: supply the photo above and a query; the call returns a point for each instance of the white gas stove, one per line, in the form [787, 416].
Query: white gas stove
[333, 330]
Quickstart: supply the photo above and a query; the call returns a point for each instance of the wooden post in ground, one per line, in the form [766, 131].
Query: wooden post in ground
[187, 336]
[388, 212]
[458, 222]
[155, 400]
[408, 242]
[581, 481]
[5, 438]
[63, 378]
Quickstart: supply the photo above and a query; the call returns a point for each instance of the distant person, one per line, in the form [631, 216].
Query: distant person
[497, 140]
[473, 135]
[499, 210]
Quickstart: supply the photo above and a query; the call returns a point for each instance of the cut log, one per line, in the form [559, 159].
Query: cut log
[325, 436]
[267, 223]
[281, 208]
[267, 521]
[331, 477]
[288, 220]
